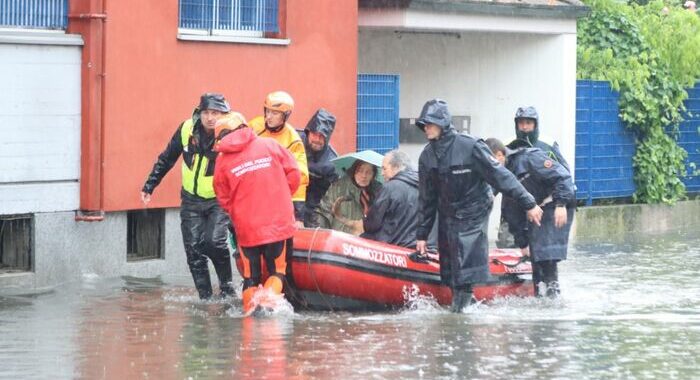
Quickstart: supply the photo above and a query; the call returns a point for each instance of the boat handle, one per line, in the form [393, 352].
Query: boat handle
[521, 260]
[424, 259]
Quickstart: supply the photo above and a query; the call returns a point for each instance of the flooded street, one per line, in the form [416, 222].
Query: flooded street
[628, 311]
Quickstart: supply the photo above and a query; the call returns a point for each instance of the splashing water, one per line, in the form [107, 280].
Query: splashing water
[414, 301]
[266, 302]
[624, 313]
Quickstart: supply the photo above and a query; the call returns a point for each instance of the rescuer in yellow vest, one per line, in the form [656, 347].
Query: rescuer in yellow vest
[204, 224]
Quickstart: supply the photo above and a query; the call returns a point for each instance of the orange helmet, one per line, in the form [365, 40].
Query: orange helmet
[279, 101]
[230, 121]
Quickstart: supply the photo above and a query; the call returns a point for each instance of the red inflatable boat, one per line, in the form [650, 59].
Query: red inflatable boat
[333, 270]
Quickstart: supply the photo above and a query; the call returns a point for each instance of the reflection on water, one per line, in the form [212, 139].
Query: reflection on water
[627, 311]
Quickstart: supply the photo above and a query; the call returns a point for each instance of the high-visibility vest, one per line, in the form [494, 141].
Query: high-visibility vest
[197, 168]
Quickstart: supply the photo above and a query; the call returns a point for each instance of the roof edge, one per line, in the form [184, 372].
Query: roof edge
[480, 7]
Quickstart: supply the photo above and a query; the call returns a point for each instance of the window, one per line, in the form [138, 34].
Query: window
[32, 14]
[145, 237]
[15, 243]
[245, 18]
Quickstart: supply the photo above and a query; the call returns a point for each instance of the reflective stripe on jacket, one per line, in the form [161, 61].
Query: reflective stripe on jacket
[197, 168]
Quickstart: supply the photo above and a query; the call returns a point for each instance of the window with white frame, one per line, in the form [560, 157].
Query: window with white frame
[247, 18]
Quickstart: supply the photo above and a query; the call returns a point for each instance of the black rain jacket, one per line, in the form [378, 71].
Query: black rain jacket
[393, 217]
[321, 170]
[201, 143]
[455, 172]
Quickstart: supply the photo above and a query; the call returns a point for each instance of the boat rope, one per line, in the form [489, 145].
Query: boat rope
[311, 270]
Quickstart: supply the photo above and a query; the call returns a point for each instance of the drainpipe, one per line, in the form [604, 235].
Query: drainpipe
[89, 19]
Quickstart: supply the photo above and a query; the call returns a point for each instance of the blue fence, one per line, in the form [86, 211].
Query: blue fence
[689, 138]
[34, 14]
[234, 15]
[377, 112]
[604, 147]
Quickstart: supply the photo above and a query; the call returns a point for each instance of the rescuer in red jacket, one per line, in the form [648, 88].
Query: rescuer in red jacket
[254, 181]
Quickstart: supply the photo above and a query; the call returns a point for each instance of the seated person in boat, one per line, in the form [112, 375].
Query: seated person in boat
[264, 220]
[551, 185]
[393, 216]
[348, 199]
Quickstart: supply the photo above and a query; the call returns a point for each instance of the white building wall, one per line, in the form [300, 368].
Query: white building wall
[483, 75]
[40, 125]
[69, 251]
[40, 117]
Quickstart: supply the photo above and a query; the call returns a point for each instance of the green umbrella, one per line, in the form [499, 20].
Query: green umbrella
[344, 162]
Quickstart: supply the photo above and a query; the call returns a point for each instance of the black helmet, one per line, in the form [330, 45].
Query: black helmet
[434, 112]
[527, 113]
[214, 101]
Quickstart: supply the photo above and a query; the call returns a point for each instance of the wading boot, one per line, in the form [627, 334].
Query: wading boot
[553, 289]
[247, 298]
[203, 284]
[227, 290]
[460, 299]
[223, 272]
[551, 279]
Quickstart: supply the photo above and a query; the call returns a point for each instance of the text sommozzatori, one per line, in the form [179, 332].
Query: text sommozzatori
[374, 255]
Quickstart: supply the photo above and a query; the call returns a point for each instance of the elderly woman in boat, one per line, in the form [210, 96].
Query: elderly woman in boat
[348, 199]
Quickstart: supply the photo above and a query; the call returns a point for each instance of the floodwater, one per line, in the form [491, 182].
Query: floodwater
[628, 311]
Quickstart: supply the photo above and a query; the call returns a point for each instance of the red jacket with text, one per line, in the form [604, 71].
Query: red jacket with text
[254, 180]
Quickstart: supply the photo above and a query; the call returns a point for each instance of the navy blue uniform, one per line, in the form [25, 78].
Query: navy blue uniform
[551, 185]
[531, 139]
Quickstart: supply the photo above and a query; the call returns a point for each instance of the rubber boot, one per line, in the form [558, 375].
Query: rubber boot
[545, 278]
[551, 278]
[538, 278]
[461, 297]
[225, 275]
[203, 284]
[247, 298]
[274, 283]
[553, 289]
[264, 307]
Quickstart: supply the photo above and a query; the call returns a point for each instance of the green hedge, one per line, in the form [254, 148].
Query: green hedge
[650, 54]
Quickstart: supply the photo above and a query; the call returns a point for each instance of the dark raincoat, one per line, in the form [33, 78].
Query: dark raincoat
[551, 185]
[533, 138]
[455, 172]
[321, 171]
[393, 217]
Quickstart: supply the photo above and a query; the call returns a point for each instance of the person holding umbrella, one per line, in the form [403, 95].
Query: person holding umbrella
[348, 199]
